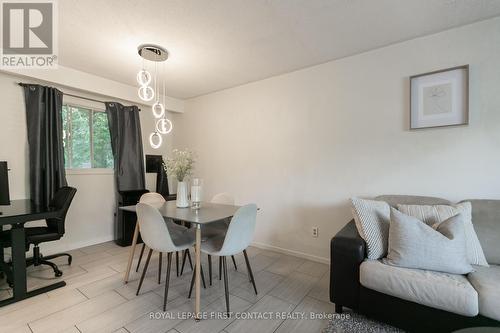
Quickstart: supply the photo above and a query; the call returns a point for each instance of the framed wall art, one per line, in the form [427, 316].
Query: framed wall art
[440, 98]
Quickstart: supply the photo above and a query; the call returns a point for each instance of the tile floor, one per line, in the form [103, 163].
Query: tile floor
[96, 299]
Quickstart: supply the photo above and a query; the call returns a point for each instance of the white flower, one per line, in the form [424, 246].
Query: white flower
[180, 164]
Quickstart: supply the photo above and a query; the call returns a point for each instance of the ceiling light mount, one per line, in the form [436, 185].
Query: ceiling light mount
[152, 52]
[157, 55]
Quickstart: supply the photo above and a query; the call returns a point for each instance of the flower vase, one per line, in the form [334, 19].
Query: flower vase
[182, 195]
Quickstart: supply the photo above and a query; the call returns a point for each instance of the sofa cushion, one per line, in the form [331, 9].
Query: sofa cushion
[432, 215]
[486, 219]
[486, 281]
[395, 200]
[372, 221]
[443, 291]
[414, 244]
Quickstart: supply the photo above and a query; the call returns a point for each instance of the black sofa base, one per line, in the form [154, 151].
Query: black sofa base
[414, 317]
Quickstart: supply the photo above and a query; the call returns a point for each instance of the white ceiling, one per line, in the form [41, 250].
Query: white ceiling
[217, 44]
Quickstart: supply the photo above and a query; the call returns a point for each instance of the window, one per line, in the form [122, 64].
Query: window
[87, 143]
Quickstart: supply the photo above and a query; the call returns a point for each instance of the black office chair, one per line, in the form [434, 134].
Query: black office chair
[53, 231]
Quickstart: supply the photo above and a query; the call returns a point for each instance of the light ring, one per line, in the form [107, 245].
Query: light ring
[158, 109]
[159, 139]
[143, 77]
[146, 93]
[164, 126]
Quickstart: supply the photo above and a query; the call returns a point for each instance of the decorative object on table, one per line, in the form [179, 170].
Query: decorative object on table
[196, 193]
[180, 166]
[157, 55]
[440, 98]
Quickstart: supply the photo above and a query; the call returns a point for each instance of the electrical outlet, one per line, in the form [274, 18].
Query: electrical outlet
[315, 231]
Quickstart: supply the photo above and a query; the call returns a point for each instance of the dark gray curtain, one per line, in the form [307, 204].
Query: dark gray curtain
[45, 141]
[126, 143]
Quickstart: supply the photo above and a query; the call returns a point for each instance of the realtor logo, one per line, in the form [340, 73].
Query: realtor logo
[28, 34]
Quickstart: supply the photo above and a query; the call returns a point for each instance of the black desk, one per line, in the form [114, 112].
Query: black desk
[16, 214]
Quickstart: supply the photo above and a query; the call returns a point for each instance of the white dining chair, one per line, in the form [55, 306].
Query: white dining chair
[238, 237]
[158, 237]
[157, 200]
[216, 229]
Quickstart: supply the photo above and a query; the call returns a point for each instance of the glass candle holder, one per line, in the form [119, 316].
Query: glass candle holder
[196, 193]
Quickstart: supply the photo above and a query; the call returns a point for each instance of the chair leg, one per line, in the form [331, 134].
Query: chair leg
[177, 263]
[234, 263]
[38, 260]
[144, 271]
[184, 255]
[192, 284]
[226, 286]
[159, 267]
[167, 280]
[220, 268]
[140, 257]
[203, 277]
[210, 268]
[250, 271]
[192, 281]
[56, 270]
[189, 257]
[53, 256]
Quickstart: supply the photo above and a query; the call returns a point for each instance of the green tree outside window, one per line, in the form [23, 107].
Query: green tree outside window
[86, 139]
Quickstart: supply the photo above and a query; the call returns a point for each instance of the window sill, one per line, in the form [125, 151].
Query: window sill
[93, 171]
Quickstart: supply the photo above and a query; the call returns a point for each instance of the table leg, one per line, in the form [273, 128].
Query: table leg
[197, 287]
[132, 250]
[18, 260]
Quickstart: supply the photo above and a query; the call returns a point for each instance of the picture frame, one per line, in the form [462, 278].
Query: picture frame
[440, 98]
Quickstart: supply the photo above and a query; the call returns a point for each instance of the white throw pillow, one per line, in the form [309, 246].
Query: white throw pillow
[433, 215]
[372, 221]
[414, 244]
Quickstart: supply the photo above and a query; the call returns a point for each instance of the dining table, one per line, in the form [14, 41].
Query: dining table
[198, 217]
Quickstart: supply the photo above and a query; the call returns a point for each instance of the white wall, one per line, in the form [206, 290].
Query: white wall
[90, 219]
[301, 144]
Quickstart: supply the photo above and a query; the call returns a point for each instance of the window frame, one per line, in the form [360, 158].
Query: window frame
[82, 171]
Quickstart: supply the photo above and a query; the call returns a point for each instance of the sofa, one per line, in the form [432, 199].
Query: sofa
[418, 300]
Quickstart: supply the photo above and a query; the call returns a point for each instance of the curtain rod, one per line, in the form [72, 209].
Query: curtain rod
[76, 96]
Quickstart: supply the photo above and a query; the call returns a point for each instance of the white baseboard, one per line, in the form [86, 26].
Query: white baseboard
[292, 252]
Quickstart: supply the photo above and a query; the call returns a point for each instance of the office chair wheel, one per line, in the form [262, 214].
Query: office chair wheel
[58, 273]
[70, 260]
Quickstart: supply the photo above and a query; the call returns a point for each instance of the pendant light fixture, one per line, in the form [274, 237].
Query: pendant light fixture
[149, 90]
